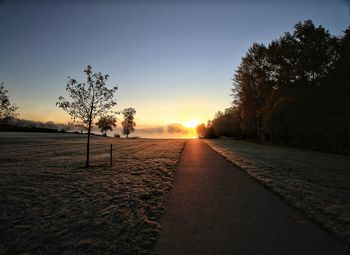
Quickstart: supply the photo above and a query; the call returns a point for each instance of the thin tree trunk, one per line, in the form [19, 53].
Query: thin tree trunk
[88, 148]
[89, 130]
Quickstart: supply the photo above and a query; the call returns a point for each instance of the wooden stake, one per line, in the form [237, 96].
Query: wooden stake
[111, 154]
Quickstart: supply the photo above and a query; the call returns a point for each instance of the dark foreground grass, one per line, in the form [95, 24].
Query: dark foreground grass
[50, 204]
[316, 183]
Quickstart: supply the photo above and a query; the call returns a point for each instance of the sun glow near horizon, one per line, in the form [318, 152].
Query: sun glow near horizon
[191, 123]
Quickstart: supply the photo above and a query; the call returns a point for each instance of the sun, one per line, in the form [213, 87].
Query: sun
[192, 123]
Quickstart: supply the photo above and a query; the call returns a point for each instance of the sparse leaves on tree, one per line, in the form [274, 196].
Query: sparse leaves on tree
[88, 100]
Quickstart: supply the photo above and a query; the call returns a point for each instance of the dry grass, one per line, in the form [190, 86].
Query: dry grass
[50, 204]
[316, 183]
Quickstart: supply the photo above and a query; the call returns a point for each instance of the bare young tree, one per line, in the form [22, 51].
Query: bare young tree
[7, 110]
[106, 123]
[88, 100]
[128, 123]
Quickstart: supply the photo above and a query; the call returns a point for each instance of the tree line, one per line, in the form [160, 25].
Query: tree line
[293, 91]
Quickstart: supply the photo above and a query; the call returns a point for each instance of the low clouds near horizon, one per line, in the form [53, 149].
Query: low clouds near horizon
[170, 129]
[174, 128]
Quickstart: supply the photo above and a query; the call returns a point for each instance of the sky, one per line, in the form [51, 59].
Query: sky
[172, 60]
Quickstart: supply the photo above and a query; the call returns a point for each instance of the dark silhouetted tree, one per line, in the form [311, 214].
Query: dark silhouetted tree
[200, 129]
[299, 63]
[227, 123]
[128, 122]
[106, 123]
[293, 91]
[7, 110]
[206, 131]
[250, 88]
[88, 101]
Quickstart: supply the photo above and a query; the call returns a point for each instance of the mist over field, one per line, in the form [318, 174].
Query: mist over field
[175, 130]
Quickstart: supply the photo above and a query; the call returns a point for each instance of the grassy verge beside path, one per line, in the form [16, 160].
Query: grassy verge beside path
[50, 204]
[316, 183]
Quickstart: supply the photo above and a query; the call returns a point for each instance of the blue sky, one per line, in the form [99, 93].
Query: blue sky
[172, 61]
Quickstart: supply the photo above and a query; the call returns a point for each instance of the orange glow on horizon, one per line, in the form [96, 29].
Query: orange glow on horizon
[191, 124]
[171, 124]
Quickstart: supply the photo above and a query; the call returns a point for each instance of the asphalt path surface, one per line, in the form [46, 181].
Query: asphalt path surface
[216, 208]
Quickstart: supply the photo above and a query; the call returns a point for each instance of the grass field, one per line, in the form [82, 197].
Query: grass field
[316, 183]
[50, 204]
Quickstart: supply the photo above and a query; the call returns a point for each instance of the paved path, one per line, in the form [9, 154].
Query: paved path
[215, 208]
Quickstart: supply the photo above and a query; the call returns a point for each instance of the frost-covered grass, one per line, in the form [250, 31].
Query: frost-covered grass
[51, 204]
[316, 183]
